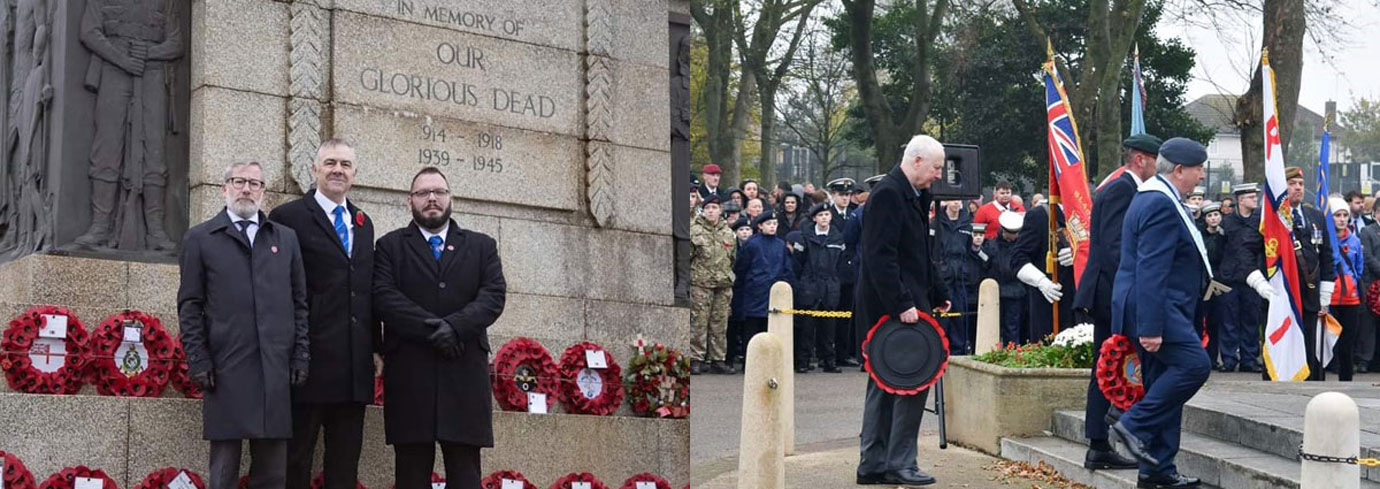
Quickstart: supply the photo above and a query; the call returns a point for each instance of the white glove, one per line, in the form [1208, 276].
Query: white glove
[1257, 281]
[1065, 257]
[1035, 278]
[1325, 294]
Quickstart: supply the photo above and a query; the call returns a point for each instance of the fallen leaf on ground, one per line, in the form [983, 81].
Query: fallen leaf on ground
[1006, 471]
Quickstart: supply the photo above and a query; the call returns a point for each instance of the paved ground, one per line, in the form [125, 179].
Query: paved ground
[829, 414]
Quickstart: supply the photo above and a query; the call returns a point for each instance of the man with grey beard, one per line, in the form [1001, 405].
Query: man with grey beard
[242, 309]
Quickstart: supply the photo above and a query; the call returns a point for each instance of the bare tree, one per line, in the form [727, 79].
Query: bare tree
[1284, 33]
[1095, 91]
[818, 96]
[756, 51]
[891, 129]
[726, 107]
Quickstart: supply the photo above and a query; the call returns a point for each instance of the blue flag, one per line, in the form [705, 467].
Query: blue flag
[1323, 203]
[1137, 97]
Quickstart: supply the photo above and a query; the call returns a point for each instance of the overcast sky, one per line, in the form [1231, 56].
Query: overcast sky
[1225, 57]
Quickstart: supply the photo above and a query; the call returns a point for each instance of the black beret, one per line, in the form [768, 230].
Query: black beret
[1183, 151]
[1143, 142]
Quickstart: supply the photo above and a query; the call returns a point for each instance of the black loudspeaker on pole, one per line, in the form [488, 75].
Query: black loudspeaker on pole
[962, 178]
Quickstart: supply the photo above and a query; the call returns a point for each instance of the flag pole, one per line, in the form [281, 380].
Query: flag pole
[1053, 206]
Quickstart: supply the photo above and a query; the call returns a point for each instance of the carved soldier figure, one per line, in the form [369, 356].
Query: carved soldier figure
[134, 44]
[24, 201]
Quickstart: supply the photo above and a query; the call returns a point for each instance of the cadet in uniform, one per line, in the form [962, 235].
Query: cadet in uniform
[1243, 258]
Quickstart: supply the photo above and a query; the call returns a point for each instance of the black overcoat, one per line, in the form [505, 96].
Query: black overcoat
[897, 271]
[243, 314]
[339, 291]
[428, 398]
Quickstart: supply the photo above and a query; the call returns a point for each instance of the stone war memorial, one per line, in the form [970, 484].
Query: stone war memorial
[562, 126]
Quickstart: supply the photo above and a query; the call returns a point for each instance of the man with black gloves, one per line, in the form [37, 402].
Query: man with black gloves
[437, 288]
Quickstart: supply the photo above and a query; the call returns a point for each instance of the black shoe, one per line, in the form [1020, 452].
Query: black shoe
[696, 368]
[1107, 459]
[1113, 416]
[1252, 369]
[909, 478]
[1362, 369]
[872, 479]
[1227, 368]
[830, 368]
[1132, 444]
[848, 362]
[802, 370]
[1176, 481]
[721, 368]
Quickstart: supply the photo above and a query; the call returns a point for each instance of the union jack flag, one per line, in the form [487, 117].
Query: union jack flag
[1068, 183]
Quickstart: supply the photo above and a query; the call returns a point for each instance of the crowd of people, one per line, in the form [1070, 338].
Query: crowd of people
[745, 240]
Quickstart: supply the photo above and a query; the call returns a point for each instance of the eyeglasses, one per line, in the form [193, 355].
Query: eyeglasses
[439, 193]
[239, 183]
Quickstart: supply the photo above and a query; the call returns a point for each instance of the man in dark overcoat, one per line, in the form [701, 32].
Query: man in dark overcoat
[242, 309]
[337, 242]
[898, 279]
[437, 288]
[1094, 298]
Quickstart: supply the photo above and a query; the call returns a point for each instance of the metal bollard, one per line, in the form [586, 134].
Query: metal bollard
[1331, 428]
[783, 326]
[761, 448]
[989, 316]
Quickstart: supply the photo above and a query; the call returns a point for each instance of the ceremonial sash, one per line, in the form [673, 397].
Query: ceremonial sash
[1159, 185]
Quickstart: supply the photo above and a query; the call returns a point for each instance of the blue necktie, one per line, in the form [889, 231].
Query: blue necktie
[435, 247]
[341, 230]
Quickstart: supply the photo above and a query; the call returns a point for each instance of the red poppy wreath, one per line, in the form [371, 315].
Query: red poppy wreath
[319, 482]
[1118, 372]
[67, 478]
[132, 356]
[520, 367]
[16, 475]
[181, 373]
[44, 364]
[589, 390]
[378, 390]
[584, 480]
[164, 479]
[645, 478]
[658, 381]
[495, 480]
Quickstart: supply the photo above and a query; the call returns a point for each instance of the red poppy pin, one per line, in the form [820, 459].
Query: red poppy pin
[359, 218]
[450, 248]
[275, 249]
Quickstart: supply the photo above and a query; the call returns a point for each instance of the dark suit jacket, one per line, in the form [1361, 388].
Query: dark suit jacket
[339, 291]
[429, 398]
[1031, 247]
[1370, 245]
[1109, 210]
[1158, 284]
[1316, 259]
[897, 270]
[243, 314]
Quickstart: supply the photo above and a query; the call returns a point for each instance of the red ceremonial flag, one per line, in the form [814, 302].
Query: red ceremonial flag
[1068, 184]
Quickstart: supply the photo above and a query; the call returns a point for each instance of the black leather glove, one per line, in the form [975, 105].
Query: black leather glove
[444, 339]
[299, 376]
[206, 381]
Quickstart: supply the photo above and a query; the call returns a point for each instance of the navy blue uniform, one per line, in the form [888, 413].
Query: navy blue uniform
[1095, 295]
[817, 259]
[1243, 253]
[1156, 293]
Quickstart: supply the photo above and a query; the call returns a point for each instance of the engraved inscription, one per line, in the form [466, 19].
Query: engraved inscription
[542, 22]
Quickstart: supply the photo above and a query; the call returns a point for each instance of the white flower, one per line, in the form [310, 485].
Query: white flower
[1078, 335]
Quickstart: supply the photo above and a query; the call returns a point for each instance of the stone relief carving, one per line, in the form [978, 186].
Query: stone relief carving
[599, 92]
[25, 200]
[134, 44]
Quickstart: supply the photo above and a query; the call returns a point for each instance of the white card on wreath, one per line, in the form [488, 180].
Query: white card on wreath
[596, 359]
[512, 484]
[536, 404]
[581, 485]
[54, 326]
[181, 481]
[88, 483]
[134, 335]
[646, 485]
[438, 485]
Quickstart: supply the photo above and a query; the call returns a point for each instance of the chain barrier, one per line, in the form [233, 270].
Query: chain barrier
[1368, 462]
[849, 314]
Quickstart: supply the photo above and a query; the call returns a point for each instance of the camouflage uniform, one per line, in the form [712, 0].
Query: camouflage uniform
[711, 287]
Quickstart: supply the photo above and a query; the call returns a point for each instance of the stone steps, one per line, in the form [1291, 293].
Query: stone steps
[1067, 458]
[1218, 462]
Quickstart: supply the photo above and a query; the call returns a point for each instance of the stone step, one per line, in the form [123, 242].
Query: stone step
[1067, 458]
[1272, 431]
[1216, 461]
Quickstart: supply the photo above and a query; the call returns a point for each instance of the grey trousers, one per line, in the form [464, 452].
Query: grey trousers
[890, 431]
[267, 464]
